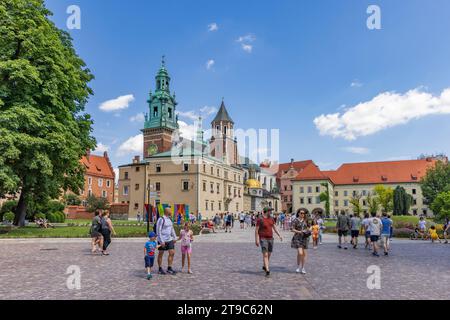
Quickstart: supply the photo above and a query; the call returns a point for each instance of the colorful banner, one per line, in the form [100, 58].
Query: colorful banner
[186, 208]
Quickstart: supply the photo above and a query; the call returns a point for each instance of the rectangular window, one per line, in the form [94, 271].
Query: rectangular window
[309, 200]
[414, 201]
[218, 188]
[185, 185]
[89, 192]
[220, 205]
[237, 206]
[206, 205]
[336, 203]
[212, 206]
[226, 174]
[100, 182]
[136, 186]
[158, 168]
[345, 203]
[211, 185]
[336, 193]
[364, 203]
[309, 189]
[212, 170]
[317, 200]
[354, 193]
[108, 183]
[204, 186]
[364, 192]
[317, 189]
[90, 181]
[138, 169]
[125, 190]
[302, 190]
[413, 191]
[218, 172]
[239, 193]
[204, 168]
[136, 205]
[185, 167]
[158, 186]
[285, 188]
[302, 200]
[345, 193]
[126, 175]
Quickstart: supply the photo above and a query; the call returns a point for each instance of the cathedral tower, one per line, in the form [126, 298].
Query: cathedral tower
[223, 145]
[161, 120]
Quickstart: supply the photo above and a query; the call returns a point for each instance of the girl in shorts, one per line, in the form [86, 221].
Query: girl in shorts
[186, 237]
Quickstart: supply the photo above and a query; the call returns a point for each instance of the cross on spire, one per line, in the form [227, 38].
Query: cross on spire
[163, 60]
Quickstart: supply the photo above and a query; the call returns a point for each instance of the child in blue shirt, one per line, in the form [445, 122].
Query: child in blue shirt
[149, 253]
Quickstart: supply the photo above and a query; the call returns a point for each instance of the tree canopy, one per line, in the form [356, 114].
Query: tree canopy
[43, 92]
[436, 180]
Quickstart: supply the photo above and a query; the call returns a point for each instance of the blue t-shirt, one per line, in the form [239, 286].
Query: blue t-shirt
[387, 223]
[151, 248]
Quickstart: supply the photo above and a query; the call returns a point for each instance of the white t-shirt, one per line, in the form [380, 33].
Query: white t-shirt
[375, 226]
[422, 224]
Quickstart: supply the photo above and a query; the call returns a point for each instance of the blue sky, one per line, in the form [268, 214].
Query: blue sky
[337, 91]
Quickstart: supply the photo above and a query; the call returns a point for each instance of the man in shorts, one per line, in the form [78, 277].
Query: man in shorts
[342, 226]
[228, 222]
[265, 226]
[166, 238]
[375, 227]
[355, 222]
[386, 232]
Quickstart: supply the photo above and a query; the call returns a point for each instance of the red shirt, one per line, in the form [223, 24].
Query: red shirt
[265, 225]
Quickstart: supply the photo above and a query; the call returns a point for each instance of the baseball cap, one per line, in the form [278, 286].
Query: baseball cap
[267, 209]
[151, 234]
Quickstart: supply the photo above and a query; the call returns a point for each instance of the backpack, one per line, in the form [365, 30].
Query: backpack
[155, 226]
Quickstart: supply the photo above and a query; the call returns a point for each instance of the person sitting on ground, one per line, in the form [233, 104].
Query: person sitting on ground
[433, 235]
[415, 234]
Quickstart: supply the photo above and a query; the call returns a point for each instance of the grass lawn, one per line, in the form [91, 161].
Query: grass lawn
[115, 222]
[69, 232]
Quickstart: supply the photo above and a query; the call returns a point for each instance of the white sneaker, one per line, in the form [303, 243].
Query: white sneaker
[303, 271]
[298, 270]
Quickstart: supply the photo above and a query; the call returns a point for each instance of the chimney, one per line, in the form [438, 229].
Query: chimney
[137, 159]
[292, 163]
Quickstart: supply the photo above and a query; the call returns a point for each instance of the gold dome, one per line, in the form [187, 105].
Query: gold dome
[252, 183]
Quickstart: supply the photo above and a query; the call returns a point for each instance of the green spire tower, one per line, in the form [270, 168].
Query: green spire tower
[161, 120]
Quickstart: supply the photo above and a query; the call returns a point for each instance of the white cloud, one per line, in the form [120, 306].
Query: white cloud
[101, 148]
[138, 118]
[209, 64]
[245, 42]
[207, 111]
[187, 131]
[119, 103]
[247, 48]
[357, 150]
[356, 84]
[132, 146]
[213, 27]
[386, 110]
[194, 115]
[246, 39]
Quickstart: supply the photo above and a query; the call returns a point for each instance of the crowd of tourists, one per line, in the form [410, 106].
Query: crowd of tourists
[377, 231]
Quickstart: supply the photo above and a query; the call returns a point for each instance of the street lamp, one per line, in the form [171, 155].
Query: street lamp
[148, 207]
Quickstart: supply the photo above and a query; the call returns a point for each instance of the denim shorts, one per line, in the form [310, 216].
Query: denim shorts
[149, 261]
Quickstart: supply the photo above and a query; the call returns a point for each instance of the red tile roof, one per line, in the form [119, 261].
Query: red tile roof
[98, 166]
[298, 165]
[403, 171]
[311, 172]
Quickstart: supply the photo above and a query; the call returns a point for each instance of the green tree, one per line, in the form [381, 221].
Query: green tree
[402, 201]
[435, 181]
[385, 197]
[71, 199]
[373, 203]
[325, 197]
[441, 205]
[355, 201]
[43, 93]
[96, 203]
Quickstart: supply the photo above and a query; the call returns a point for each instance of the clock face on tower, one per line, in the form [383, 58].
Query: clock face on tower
[152, 149]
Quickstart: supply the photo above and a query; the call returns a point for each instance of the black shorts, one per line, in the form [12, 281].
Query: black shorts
[228, 223]
[355, 233]
[170, 245]
[374, 238]
[342, 233]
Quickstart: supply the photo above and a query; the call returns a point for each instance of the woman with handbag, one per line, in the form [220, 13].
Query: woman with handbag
[300, 240]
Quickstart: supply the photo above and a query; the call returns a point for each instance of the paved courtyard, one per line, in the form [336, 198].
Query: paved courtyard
[226, 266]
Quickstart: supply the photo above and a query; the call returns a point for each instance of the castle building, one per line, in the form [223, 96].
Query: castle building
[359, 180]
[202, 176]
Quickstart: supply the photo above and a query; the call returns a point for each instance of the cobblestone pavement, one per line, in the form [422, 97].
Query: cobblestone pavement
[226, 266]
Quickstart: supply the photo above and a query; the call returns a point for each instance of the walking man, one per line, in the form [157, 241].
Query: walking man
[375, 227]
[166, 238]
[355, 227]
[264, 237]
[386, 232]
[342, 226]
